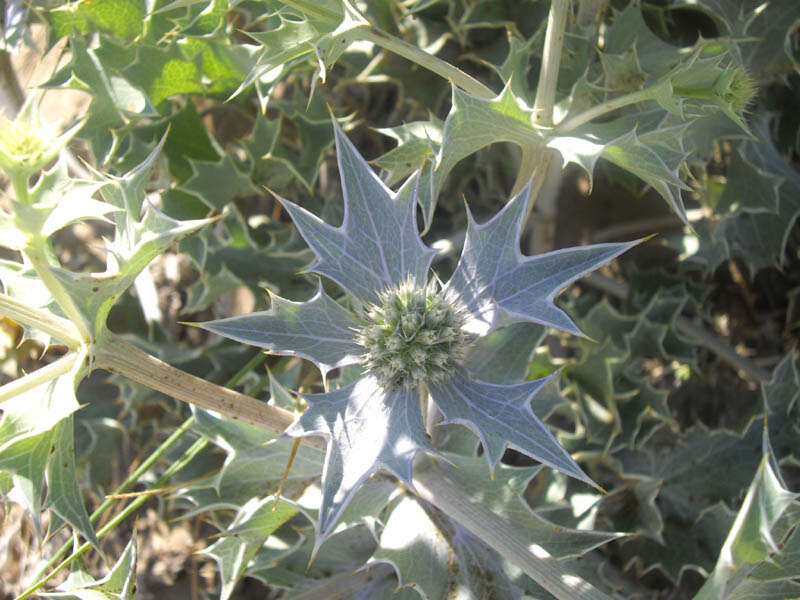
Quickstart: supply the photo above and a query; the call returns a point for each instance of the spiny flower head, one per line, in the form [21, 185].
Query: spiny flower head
[736, 88]
[412, 332]
[27, 144]
[414, 335]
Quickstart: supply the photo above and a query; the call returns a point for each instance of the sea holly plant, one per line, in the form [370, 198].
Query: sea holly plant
[421, 465]
[410, 333]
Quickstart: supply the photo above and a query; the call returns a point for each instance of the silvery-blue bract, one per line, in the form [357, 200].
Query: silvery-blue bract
[371, 424]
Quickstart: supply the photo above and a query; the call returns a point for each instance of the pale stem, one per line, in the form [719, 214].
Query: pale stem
[546, 187]
[440, 67]
[35, 253]
[433, 485]
[118, 356]
[19, 312]
[603, 108]
[551, 57]
[39, 376]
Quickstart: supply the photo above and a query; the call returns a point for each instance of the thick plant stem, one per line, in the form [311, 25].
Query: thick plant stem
[61, 329]
[433, 485]
[440, 67]
[118, 356]
[551, 58]
[36, 255]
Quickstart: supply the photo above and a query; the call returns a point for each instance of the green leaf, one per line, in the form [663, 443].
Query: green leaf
[116, 98]
[501, 415]
[331, 46]
[253, 524]
[655, 165]
[368, 427]
[251, 461]
[25, 460]
[218, 183]
[319, 330]
[138, 239]
[55, 202]
[475, 123]
[188, 141]
[498, 285]
[119, 584]
[377, 246]
[121, 18]
[40, 408]
[417, 145]
[283, 40]
[64, 495]
[750, 540]
[165, 72]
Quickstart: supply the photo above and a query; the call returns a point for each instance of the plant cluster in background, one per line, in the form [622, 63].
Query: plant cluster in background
[433, 417]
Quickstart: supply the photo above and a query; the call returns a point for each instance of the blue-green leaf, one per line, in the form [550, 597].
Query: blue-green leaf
[498, 285]
[377, 245]
[318, 329]
[502, 415]
[368, 428]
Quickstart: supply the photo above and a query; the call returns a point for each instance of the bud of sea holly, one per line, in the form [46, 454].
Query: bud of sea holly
[27, 144]
[414, 334]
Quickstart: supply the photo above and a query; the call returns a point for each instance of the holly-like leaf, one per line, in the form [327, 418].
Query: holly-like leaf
[498, 285]
[418, 146]
[412, 544]
[55, 202]
[138, 239]
[502, 415]
[25, 461]
[218, 183]
[122, 18]
[283, 40]
[377, 246]
[750, 540]
[368, 427]
[318, 329]
[254, 458]
[252, 525]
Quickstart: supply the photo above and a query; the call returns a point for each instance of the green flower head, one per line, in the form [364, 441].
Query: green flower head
[27, 145]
